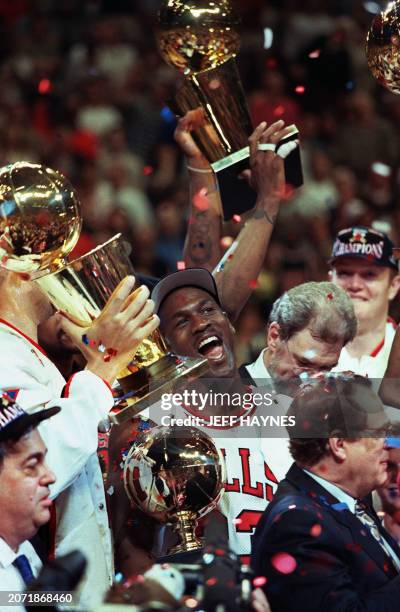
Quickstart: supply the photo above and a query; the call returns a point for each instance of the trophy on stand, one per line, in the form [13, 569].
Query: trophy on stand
[40, 224]
[176, 475]
[201, 39]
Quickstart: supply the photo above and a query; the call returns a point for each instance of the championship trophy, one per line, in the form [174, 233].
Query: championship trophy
[81, 288]
[200, 38]
[40, 224]
[176, 475]
[383, 47]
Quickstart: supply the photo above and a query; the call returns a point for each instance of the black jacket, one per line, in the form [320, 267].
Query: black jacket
[339, 565]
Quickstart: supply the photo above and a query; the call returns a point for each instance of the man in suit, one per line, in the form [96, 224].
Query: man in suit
[319, 544]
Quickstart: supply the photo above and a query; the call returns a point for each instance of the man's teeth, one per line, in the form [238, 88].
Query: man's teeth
[206, 341]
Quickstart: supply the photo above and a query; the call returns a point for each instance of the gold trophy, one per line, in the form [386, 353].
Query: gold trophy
[81, 288]
[383, 47]
[176, 475]
[40, 219]
[200, 38]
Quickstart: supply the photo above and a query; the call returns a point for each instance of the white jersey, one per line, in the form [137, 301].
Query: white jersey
[255, 463]
[80, 519]
[373, 365]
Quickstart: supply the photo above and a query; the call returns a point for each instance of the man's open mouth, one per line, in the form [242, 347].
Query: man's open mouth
[211, 347]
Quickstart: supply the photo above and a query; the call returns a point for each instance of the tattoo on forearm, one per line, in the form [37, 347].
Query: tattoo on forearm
[199, 239]
[262, 214]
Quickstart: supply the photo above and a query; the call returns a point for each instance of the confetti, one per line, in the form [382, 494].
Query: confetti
[180, 265]
[24, 276]
[300, 89]
[211, 581]
[44, 86]
[330, 296]
[106, 358]
[278, 110]
[253, 284]
[316, 530]
[271, 62]
[148, 170]
[200, 200]
[214, 84]
[191, 602]
[284, 563]
[226, 242]
[85, 339]
[314, 54]
[259, 581]
[236, 218]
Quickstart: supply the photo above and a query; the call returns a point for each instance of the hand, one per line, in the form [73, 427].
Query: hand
[188, 123]
[267, 168]
[259, 601]
[125, 321]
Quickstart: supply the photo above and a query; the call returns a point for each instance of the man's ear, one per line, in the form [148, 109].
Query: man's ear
[330, 275]
[394, 287]
[273, 335]
[338, 449]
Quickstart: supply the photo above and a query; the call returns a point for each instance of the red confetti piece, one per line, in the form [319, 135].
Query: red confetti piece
[278, 110]
[4, 260]
[236, 218]
[44, 86]
[300, 89]
[214, 84]
[288, 192]
[230, 257]
[284, 563]
[24, 276]
[211, 581]
[271, 62]
[226, 242]
[220, 552]
[259, 581]
[180, 265]
[330, 296]
[316, 530]
[148, 170]
[106, 358]
[200, 200]
[314, 54]
[253, 284]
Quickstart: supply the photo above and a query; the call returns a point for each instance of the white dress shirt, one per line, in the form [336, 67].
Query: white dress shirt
[10, 578]
[257, 370]
[72, 439]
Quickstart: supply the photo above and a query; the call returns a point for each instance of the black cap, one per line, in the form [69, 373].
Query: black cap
[14, 420]
[191, 277]
[364, 243]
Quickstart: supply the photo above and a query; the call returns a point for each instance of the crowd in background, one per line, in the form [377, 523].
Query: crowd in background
[84, 90]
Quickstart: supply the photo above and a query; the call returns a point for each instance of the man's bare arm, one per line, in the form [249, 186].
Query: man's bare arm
[239, 269]
[202, 245]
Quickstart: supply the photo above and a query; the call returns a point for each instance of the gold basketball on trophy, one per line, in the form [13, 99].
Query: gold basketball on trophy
[40, 218]
[196, 36]
[383, 47]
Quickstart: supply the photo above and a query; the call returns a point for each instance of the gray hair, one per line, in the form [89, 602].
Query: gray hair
[324, 307]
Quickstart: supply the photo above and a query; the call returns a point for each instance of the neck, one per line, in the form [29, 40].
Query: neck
[332, 475]
[368, 337]
[17, 306]
[12, 540]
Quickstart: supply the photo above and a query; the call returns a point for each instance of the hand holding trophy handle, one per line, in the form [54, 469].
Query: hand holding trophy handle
[125, 321]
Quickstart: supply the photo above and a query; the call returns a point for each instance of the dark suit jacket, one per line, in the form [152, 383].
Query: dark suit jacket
[339, 566]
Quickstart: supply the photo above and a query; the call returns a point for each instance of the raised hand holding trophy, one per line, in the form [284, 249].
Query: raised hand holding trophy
[200, 38]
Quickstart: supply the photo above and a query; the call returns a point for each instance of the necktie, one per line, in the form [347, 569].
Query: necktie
[24, 567]
[369, 522]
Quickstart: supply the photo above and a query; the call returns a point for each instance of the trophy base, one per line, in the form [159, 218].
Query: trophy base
[185, 527]
[237, 196]
[148, 384]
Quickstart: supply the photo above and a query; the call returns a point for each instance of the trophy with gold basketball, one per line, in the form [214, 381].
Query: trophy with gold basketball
[201, 39]
[383, 47]
[176, 475]
[40, 224]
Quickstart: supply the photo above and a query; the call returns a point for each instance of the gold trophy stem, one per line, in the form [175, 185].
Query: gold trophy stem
[185, 527]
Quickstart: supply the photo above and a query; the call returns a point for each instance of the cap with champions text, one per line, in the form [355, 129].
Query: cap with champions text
[364, 243]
